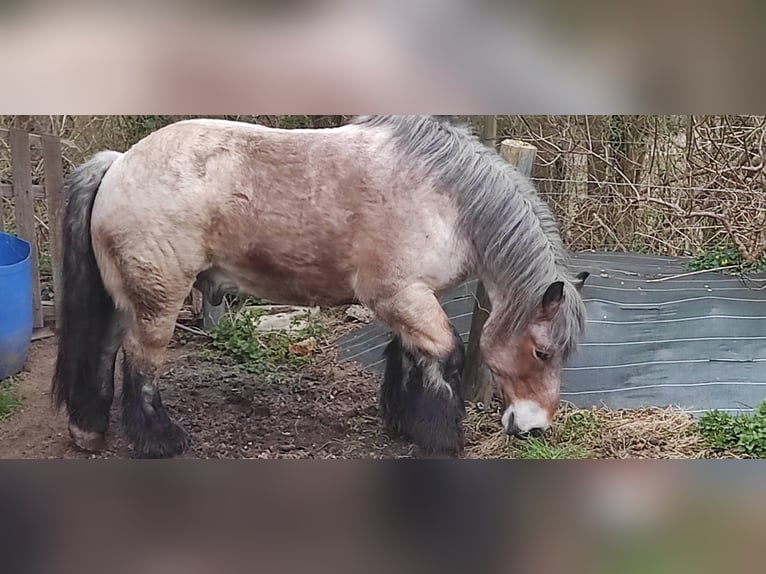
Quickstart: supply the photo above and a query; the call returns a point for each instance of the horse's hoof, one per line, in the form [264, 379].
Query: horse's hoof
[170, 442]
[89, 441]
[444, 452]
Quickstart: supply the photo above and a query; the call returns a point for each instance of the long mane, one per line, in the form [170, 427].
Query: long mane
[518, 247]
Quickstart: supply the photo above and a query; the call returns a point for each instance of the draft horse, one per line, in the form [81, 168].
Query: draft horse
[387, 211]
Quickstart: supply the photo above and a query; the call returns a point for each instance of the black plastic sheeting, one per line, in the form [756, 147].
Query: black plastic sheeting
[697, 342]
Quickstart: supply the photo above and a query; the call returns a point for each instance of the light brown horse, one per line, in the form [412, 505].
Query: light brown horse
[389, 211]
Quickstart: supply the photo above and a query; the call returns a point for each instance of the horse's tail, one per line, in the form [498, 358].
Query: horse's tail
[86, 311]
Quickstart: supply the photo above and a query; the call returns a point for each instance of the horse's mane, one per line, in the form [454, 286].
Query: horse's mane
[513, 231]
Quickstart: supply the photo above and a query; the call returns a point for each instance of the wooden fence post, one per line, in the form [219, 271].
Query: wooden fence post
[519, 153]
[54, 195]
[476, 376]
[21, 164]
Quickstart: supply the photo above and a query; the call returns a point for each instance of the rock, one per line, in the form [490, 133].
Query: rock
[360, 314]
[293, 320]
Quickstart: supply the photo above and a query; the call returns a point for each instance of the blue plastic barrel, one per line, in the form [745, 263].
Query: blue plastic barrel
[15, 304]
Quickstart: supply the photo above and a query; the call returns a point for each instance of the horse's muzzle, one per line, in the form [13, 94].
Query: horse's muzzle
[515, 431]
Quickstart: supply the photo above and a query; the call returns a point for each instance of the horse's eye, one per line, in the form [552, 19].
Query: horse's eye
[541, 355]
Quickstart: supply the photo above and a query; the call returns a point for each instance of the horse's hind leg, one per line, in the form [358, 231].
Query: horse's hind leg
[90, 402]
[148, 426]
[422, 395]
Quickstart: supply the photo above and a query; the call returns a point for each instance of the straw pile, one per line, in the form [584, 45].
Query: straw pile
[666, 433]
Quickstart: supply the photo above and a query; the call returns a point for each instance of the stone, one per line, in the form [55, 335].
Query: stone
[360, 314]
[293, 320]
[303, 348]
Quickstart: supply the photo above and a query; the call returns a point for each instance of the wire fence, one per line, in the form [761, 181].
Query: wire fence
[663, 184]
[649, 186]
[678, 185]
[647, 218]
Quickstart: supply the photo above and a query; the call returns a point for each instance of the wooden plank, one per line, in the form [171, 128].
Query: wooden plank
[54, 190]
[33, 138]
[21, 163]
[42, 333]
[6, 190]
[477, 379]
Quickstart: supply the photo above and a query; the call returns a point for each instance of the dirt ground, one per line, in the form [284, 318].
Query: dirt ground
[324, 410]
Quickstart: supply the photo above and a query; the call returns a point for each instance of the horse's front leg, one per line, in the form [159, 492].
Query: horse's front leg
[422, 395]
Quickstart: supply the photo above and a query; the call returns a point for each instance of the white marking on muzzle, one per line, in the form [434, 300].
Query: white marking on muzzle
[526, 415]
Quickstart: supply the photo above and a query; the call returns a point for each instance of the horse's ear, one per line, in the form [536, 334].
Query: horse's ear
[580, 280]
[552, 298]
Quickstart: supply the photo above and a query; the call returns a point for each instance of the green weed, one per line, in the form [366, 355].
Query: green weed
[743, 434]
[724, 256]
[10, 400]
[237, 336]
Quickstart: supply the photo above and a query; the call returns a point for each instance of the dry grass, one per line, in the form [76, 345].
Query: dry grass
[650, 433]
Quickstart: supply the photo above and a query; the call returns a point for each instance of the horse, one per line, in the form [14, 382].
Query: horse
[385, 211]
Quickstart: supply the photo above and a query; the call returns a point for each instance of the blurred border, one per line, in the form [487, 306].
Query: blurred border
[344, 56]
[446, 57]
[436, 516]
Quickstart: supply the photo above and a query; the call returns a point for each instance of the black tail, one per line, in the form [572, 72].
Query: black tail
[86, 313]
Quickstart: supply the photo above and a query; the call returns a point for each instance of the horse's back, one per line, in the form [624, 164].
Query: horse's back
[191, 163]
[326, 210]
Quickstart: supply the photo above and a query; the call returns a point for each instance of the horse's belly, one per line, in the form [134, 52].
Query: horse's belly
[297, 293]
[296, 287]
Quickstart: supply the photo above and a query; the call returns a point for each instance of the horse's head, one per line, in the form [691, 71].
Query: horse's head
[527, 365]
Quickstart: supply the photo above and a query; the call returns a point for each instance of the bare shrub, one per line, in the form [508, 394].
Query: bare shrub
[661, 184]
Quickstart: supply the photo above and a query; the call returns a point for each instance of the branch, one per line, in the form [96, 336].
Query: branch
[744, 251]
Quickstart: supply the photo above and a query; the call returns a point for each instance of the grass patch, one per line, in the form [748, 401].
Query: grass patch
[10, 399]
[542, 449]
[743, 434]
[648, 433]
[238, 337]
[571, 437]
[724, 256]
